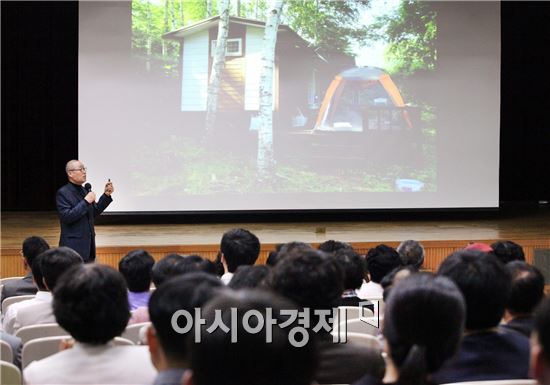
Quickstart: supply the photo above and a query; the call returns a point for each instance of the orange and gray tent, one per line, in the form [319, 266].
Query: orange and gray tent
[353, 93]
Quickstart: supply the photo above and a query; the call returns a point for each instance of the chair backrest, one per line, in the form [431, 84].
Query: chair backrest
[3, 281]
[28, 333]
[358, 326]
[9, 374]
[11, 300]
[351, 312]
[120, 341]
[496, 382]
[132, 332]
[365, 340]
[6, 354]
[40, 348]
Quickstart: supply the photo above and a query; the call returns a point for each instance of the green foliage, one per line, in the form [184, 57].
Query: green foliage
[411, 33]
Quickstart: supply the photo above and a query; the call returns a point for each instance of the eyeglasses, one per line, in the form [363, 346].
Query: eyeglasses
[79, 169]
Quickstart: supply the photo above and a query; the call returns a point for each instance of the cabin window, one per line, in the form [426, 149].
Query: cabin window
[234, 47]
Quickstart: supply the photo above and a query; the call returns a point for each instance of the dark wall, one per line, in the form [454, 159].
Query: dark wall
[40, 106]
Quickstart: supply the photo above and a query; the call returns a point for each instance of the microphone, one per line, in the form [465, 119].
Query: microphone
[88, 187]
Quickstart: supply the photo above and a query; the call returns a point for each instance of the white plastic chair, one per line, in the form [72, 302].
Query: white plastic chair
[6, 354]
[28, 333]
[3, 281]
[358, 326]
[132, 332]
[364, 340]
[9, 374]
[11, 300]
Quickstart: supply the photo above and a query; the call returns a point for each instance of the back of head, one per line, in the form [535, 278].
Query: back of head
[313, 279]
[423, 325]
[508, 251]
[411, 253]
[37, 276]
[250, 277]
[54, 262]
[32, 247]
[527, 288]
[353, 266]
[381, 260]
[136, 267]
[239, 247]
[165, 268]
[332, 246]
[484, 283]
[292, 249]
[251, 360]
[91, 303]
[542, 331]
[184, 292]
[195, 263]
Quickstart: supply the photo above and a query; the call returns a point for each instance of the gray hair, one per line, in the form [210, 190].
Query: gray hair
[411, 253]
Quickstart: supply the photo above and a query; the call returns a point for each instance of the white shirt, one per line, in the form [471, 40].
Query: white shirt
[370, 290]
[226, 278]
[9, 322]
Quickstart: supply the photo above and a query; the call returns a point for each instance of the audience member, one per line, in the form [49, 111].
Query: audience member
[91, 303]
[15, 344]
[193, 263]
[238, 247]
[527, 292]
[31, 248]
[381, 260]
[47, 268]
[479, 246]
[165, 268]
[249, 359]
[396, 276]
[332, 246]
[273, 256]
[169, 349]
[250, 277]
[508, 251]
[485, 353]
[314, 280]
[136, 267]
[423, 324]
[411, 253]
[540, 344]
[353, 266]
[293, 248]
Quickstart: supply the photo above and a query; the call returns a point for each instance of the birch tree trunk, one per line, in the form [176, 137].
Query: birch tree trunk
[208, 8]
[265, 160]
[218, 64]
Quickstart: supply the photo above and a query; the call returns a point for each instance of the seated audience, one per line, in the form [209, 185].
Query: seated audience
[249, 277]
[166, 267]
[508, 251]
[527, 292]
[47, 268]
[479, 246]
[395, 276]
[193, 263]
[353, 266]
[249, 359]
[540, 344]
[136, 267]
[238, 247]
[273, 256]
[169, 349]
[15, 345]
[315, 280]
[485, 353]
[411, 254]
[331, 246]
[293, 248]
[91, 303]
[422, 329]
[381, 260]
[31, 248]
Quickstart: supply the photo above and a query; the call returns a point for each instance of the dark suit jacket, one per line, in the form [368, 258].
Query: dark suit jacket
[77, 219]
[523, 325]
[487, 356]
[23, 286]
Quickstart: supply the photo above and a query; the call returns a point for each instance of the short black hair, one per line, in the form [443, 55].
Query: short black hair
[184, 292]
[37, 276]
[332, 246]
[273, 256]
[527, 288]
[136, 267]
[91, 303]
[165, 268]
[292, 249]
[276, 363]
[193, 263]
[54, 262]
[381, 260]
[250, 277]
[353, 265]
[32, 247]
[542, 320]
[484, 283]
[239, 247]
[313, 279]
[411, 253]
[508, 251]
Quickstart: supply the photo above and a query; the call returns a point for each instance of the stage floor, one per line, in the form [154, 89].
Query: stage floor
[442, 233]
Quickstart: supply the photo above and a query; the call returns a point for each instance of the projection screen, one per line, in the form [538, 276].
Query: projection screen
[366, 104]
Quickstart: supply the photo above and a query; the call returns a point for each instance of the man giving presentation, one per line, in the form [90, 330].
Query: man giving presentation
[77, 209]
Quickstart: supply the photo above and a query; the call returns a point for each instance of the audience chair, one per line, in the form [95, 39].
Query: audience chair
[358, 326]
[364, 339]
[496, 382]
[120, 341]
[9, 374]
[11, 300]
[6, 353]
[28, 333]
[132, 332]
[351, 312]
[3, 281]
